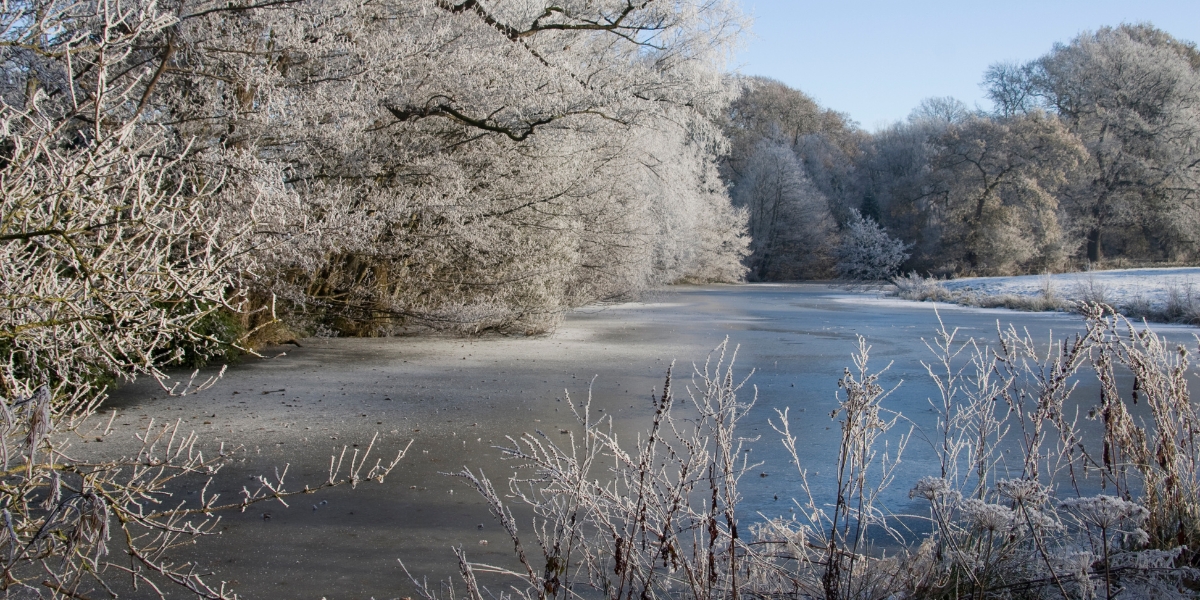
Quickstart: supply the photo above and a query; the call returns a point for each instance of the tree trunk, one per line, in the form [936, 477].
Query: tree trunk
[764, 266]
[1094, 252]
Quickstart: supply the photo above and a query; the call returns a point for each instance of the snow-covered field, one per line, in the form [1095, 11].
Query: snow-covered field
[1151, 288]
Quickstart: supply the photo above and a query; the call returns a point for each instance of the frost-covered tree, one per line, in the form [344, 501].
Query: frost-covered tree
[894, 169]
[942, 111]
[766, 109]
[500, 161]
[995, 188]
[465, 164]
[1132, 96]
[826, 141]
[791, 228]
[700, 237]
[867, 252]
[110, 257]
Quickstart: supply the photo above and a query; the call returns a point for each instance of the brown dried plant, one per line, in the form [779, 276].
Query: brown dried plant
[1020, 505]
[652, 518]
[75, 527]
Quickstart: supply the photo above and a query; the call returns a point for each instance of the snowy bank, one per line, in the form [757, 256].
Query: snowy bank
[1165, 294]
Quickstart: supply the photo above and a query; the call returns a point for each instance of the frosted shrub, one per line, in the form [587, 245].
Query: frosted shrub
[867, 252]
[111, 256]
[652, 518]
[72, 528]
[1092, 291]
[1007, 515]
[916, 287]
[1183, 305]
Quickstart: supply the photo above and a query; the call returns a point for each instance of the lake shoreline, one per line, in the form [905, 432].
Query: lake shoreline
[1157, 295]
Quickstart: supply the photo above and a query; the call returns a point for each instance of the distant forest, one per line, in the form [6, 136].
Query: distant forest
[1091, 157]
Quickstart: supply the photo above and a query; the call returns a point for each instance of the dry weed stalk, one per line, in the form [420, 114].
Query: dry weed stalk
[62, 516]
[1013, 508]
[1162, 456]
[833, 556]
[654, 518]
[1024, 523]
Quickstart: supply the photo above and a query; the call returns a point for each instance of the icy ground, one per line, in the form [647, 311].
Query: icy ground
[1124, 287]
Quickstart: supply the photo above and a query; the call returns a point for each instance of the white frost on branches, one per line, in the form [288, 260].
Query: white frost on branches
[867, 252]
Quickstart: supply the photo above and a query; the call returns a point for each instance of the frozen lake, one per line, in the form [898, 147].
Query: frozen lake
[456, 398]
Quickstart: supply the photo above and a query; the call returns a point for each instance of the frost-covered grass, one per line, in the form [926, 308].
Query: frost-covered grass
[1009, 499]
[1163, 294]
[1011, 504]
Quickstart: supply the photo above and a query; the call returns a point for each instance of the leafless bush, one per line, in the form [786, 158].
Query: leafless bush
[1183, 305]
[654, 519]
[916, 287]
[1139, 307]
[1092, 291]
[72, 527]
[110, 253]
[110, 256]
[1013, 510]
[867, 252]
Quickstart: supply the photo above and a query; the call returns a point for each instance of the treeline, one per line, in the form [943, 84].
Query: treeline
[177, 174]
[1091, 155]
[175, 171]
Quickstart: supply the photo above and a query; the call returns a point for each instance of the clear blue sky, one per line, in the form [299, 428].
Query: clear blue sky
[876, 59]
